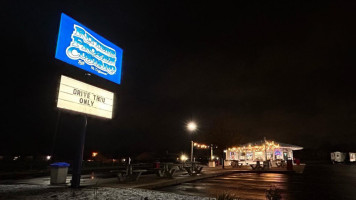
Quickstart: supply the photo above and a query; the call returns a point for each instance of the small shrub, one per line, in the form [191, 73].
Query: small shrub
[226, 196]
[95, 192]
[273, 193]
[95, 188]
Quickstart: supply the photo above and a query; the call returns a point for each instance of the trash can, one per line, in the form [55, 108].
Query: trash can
[297, 161]
[156, 165]
[59, 173]
[289, 164]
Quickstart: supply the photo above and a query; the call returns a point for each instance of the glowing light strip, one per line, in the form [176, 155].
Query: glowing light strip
[268, 145]
[201, 146]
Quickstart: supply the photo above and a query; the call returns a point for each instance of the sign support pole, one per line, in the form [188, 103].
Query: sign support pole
[77, 164]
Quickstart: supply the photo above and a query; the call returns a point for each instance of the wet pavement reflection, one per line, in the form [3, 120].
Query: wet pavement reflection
[317, 182]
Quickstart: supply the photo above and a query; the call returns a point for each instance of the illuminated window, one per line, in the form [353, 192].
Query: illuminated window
[242, 156]
[278, 155]
[232, 155]
[258, 155]
[249, 155]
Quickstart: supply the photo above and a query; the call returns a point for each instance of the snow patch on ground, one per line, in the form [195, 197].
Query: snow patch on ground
[43, 192]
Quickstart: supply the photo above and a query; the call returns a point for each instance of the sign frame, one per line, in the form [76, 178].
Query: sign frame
[79, 97]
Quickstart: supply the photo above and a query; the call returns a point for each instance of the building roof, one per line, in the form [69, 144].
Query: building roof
[281, 145]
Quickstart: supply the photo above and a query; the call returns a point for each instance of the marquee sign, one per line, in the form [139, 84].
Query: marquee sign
[79, 46]
[84, 98]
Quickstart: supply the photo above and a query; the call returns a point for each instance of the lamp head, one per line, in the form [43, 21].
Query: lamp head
[192, 126]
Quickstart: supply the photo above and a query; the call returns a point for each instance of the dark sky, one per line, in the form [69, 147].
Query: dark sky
[280, 69]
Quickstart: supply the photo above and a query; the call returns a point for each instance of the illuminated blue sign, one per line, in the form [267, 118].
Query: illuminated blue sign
[79, 46]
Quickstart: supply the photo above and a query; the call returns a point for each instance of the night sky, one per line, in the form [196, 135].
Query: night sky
[283, 70]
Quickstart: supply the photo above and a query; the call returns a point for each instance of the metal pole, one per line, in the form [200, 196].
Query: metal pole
[77, 164]
[191, 151]
[265, 152]
[223, 159]
[211, 152]
[265, 149]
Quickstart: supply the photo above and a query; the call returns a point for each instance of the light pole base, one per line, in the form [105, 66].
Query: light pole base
[211, 163]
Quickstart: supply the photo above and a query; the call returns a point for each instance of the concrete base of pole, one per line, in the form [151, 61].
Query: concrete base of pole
[211, 163]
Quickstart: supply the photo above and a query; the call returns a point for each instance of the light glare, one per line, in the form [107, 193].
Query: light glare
[191, 126]
[183, 157]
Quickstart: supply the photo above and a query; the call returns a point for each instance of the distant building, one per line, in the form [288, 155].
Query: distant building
[352, 156]
[340, 157]
[261, 151]
[337, 157]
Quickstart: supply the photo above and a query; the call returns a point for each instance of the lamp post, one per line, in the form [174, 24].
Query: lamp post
[211, 152]
[191, 126]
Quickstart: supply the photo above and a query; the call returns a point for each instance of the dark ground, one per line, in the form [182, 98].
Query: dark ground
[319, 181]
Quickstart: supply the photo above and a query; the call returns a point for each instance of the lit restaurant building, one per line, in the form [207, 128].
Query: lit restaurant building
[260, 151]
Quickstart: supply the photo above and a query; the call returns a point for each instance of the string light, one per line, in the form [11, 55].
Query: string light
[267, 145]
[201, 146]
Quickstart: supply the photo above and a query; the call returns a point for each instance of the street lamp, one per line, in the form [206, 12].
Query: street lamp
[191, 126]
[183, 157]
